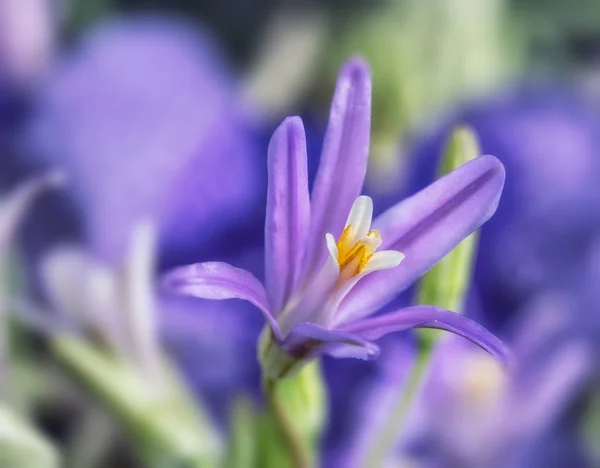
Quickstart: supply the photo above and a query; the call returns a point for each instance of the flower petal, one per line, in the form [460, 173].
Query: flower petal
[426, 226]
[428, 317]
[559, 380]
[382, 260]
[14, 207]
[343, 163]
[319, 340]
[360, 217]
[313, 307]
[217, 280]
[288, 212]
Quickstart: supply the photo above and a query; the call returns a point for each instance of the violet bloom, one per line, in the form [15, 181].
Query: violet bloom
[473, 413]
[319, 292]
[546, 138]
[363, 395]
[15, 206]
[13, 209]
[143, 116]
[27, 39]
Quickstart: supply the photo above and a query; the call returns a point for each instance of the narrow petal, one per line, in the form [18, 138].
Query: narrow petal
[63, 272]
[426, 226]
[14, 207]
[312, 307]
[360, 217]
[139, 300]
[85, 293]
[343, 163]
[288, 212]
[312, 340]
[383, 260]
[428, 317]
[217, 280]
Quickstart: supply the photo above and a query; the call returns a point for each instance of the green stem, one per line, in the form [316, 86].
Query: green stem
[291, 438]
[166, 428]
[384, 444]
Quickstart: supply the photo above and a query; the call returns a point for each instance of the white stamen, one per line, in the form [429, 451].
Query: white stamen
[372, 240]
[360, 217]
[332, 246]
[383, 260]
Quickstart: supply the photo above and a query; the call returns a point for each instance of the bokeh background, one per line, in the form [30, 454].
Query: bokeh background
[162, 111]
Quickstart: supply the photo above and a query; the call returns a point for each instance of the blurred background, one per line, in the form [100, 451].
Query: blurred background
[157, 115]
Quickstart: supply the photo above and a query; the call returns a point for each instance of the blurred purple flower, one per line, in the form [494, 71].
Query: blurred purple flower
[13, 209]
[363, 395]
[27, 41]
[549, 140]
[144, 118]
[473, 413]
[202, 332]
[312, 302]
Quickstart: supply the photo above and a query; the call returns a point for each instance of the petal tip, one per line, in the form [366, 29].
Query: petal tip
[170, 280]
[494, 164]
[356, 72]
[290, 127]
[497, 177]
[356, 67]
[288, 136]
[292, 121]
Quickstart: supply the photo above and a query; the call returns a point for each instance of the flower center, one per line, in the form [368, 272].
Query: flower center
[482, 379]
[354, 254]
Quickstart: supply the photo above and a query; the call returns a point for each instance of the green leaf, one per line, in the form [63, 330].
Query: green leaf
[447, 283]
[302, 401]
[243, 439]
[21, 445]
[166, 426]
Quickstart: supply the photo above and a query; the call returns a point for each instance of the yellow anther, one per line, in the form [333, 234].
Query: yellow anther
[354, 257]
[345, 242]
[374, 234]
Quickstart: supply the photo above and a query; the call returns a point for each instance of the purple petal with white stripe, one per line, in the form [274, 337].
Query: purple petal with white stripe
[428, 317]
[218, 281]
[343, 163]
[288, 211]
[425, 227]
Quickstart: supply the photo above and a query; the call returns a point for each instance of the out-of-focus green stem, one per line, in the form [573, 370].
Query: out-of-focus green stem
[22, 446]
[243, 439]
[295, 445]
[384, 444]
[166, 427]
[445, 285]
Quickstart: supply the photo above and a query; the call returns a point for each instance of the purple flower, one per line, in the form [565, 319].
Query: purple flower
[363, 395]
[144, 117]
[473, 413]
[13, 209]
[16, 205]
[27, 37]
[540, 237]
[319, 292]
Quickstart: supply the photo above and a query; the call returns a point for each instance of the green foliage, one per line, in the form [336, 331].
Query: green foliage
[21, 445]
[300, 403]
[447, 283]
[166, 427]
